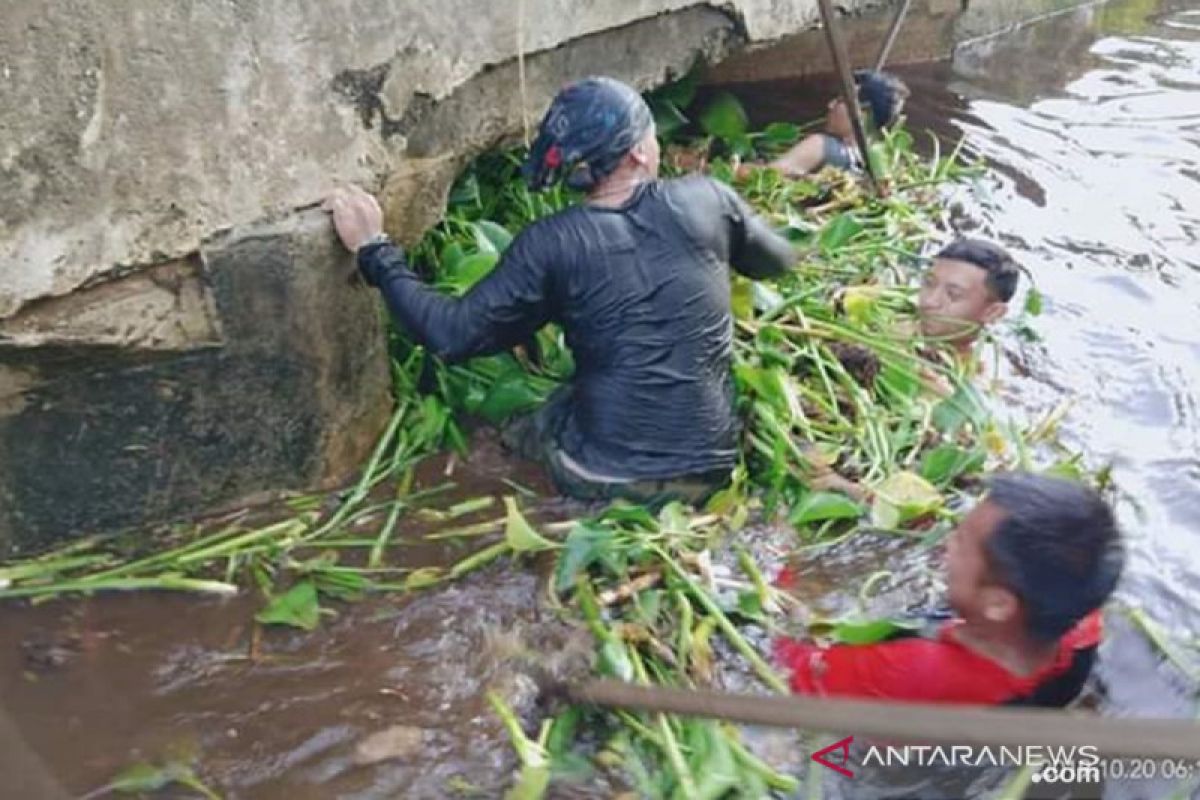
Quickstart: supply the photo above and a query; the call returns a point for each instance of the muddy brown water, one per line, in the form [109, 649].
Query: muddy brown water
[1092, 120]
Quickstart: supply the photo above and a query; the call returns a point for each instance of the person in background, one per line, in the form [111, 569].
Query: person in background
[1027, 571]
[638, 277]
[882, 96]
[967, 288]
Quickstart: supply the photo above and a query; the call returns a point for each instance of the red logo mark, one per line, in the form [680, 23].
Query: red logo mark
[844, 747]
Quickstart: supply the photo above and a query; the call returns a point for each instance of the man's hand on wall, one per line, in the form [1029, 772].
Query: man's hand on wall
[357, 217]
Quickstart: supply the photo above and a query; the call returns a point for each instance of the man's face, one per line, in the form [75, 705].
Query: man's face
[972, 588]
[955, 301]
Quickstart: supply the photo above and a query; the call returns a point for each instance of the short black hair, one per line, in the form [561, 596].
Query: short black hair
[1057, 548]
[883, 93]
[1002, 271]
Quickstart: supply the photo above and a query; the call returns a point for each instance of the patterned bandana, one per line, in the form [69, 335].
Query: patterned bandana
[588, 129]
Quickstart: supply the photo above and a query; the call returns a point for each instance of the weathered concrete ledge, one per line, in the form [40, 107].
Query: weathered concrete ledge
[282, 393]
[176, 330]
[932, 30]
[176, 325]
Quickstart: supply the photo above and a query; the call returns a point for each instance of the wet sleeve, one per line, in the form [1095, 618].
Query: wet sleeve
[755, 250]
[502, 310]
[900, 671]
[916, 670]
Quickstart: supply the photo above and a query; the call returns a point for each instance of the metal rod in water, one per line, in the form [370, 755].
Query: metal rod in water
[892, 33]
[841, 63]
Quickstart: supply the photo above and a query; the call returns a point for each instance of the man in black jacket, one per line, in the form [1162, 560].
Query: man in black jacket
[638, 278]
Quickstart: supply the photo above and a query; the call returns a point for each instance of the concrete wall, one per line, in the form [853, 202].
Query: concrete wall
[176, 327]
[932, 30]
[131, 131]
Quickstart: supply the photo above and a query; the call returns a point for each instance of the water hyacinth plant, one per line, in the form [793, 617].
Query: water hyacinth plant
[829, 376]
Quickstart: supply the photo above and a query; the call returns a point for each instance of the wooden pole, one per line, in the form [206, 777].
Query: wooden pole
[914, 722]
[893, 31]
[841, 64]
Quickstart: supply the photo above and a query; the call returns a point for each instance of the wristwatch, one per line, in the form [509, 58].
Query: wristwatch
[379, 238]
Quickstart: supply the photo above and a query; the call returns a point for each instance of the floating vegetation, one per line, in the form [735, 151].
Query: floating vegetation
[144, 777]
[831, 379]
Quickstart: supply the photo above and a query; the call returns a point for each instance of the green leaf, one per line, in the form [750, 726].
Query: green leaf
[742, 146]
[821, 506]
[1025, 332]
[945, 463]
[900, 140]
[451, 256]
[1033, 302]
[668, 119]
[344, 584]
[465, 191]
[712, 762]
[648, 606]
[749, 605]
[534, 777]
[472, 269]
[628, 515]
[781, 134]
[491, 237]
[770, 384]
[519, 534]
[614, 661]
[766, 298]
[839, 231]
[1068, 469]
[297, 607]
[861, 631]
[902, 497]
[584, 545]
[878, 154]
[142, 777]
[672, 518]
[507, 397]
[900, 381]
[798, 225]
[532, 783]
[680, 92]
[562, 732]
[1168, 644]
[725, 118]
[741, 296]
[859, 302]
[422, 577]
[962, 407]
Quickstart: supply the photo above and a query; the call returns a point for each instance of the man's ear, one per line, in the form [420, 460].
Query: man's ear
[999, 604]
[994, 312]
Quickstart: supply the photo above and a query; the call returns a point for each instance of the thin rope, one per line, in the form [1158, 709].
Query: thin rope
[521, 69]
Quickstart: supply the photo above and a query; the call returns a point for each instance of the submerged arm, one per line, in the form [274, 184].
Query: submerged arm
[803, 158]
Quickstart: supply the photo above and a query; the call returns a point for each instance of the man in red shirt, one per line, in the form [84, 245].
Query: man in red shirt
[1027, 571]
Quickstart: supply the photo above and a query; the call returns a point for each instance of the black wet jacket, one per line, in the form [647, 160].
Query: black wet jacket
[642, 292]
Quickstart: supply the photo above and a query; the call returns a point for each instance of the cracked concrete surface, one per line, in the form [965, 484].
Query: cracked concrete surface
[167, 307]
[176, 329]
[131, 132]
